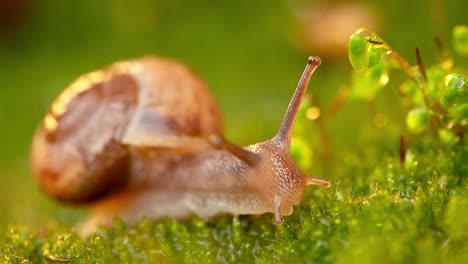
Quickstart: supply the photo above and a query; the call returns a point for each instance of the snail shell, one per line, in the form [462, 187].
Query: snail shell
[82, 151]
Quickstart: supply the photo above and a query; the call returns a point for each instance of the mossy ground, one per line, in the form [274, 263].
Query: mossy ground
[376, 212]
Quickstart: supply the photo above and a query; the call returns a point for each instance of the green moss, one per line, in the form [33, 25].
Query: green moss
[380, 213]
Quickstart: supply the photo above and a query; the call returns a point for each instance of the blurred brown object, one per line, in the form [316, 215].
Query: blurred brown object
[325, 26]
[13, 14]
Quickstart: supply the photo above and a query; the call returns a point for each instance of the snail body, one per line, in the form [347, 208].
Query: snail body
[144, 138]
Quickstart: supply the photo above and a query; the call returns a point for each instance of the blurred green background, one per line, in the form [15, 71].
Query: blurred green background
[250, 53]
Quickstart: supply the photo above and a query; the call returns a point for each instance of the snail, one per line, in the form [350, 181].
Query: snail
[143, 138]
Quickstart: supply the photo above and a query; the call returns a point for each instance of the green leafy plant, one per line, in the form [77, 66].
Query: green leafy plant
[438, 95]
